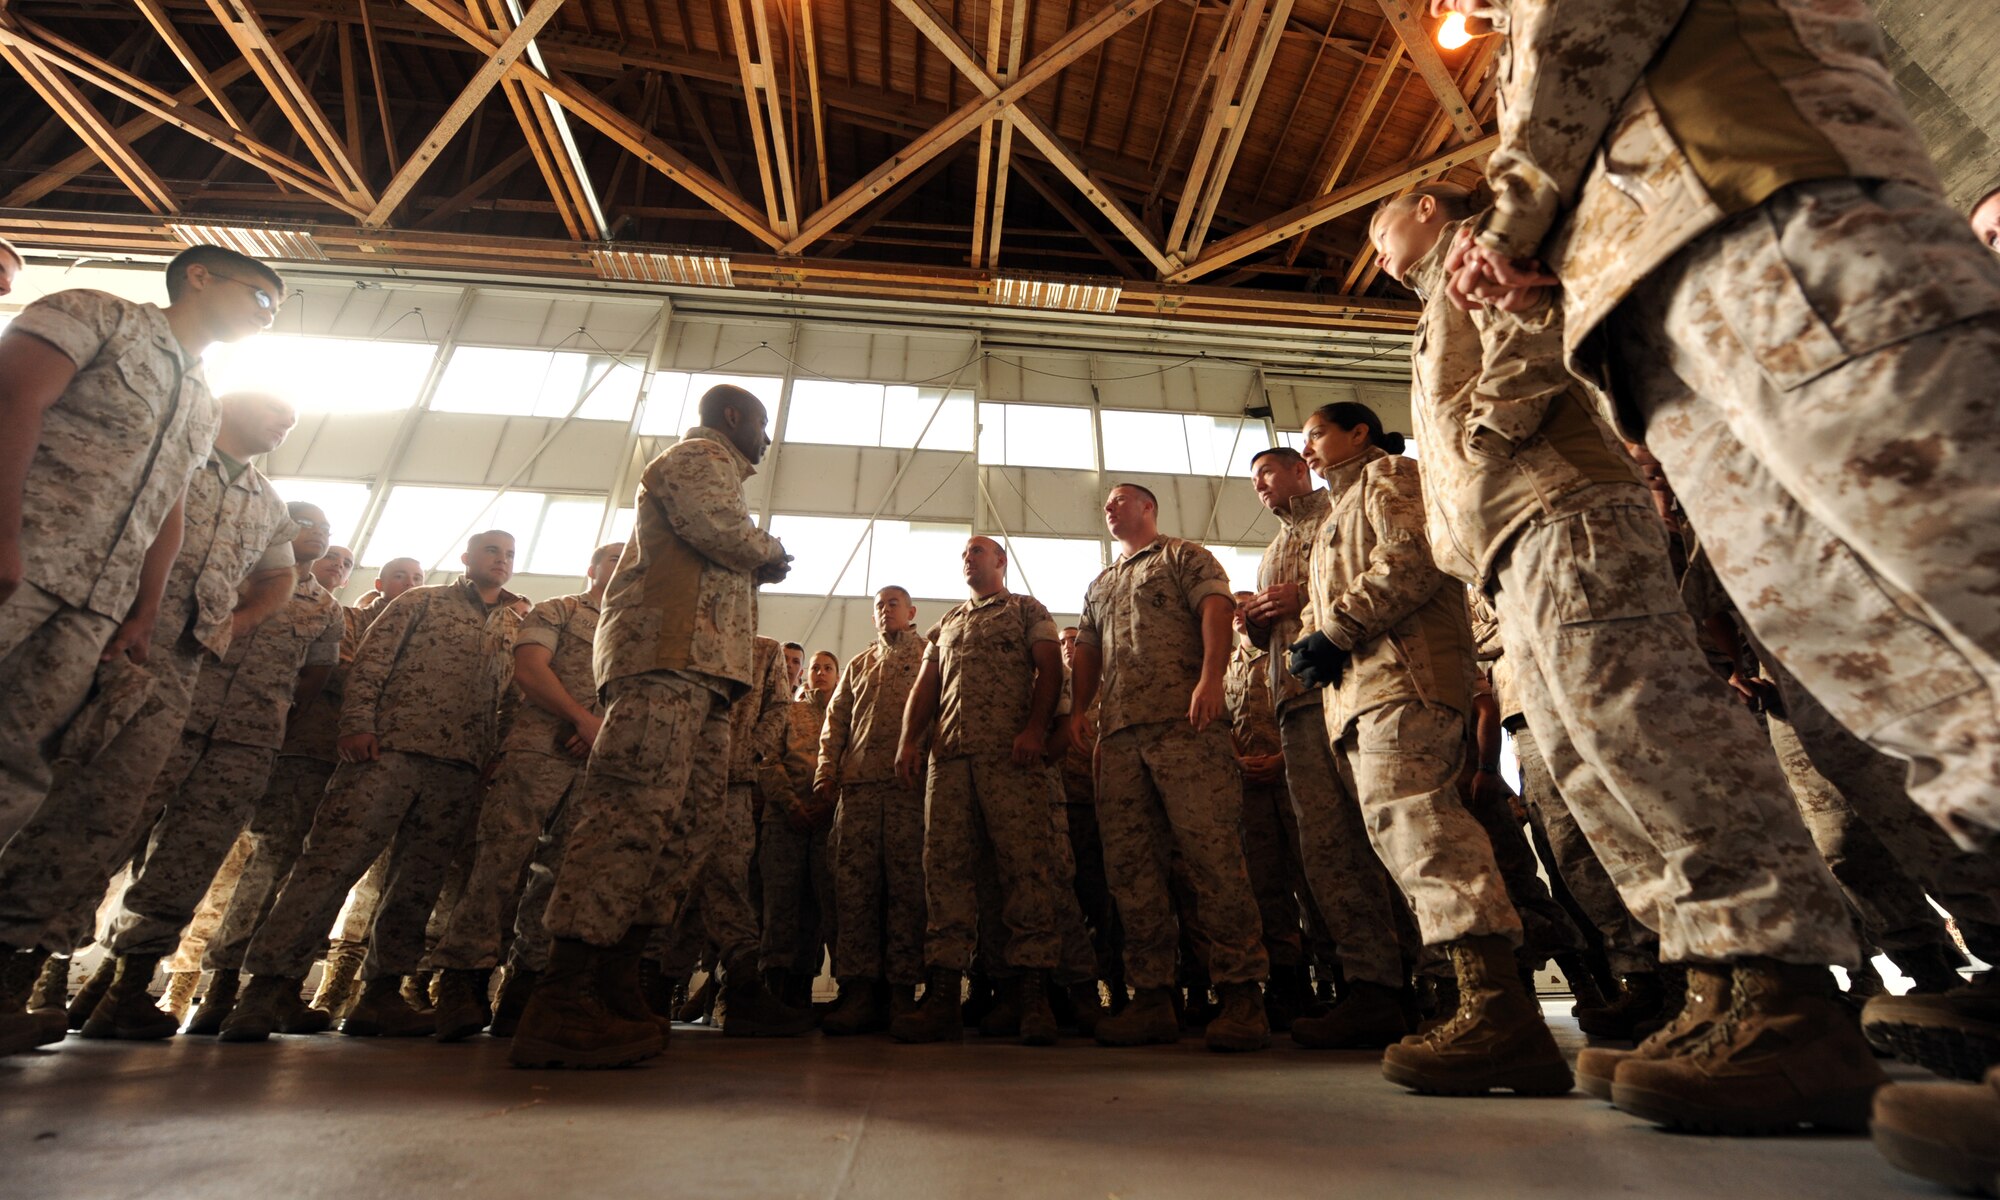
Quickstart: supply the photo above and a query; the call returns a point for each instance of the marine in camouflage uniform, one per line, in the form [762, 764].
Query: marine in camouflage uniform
[1154, 641]
[878, 826]
[53, 872]
[422, 694]
[673, 652]
[1775, 306]
[1267, 842]
[984, 702]
[542, 758]
[792, 857]
[112, 458]
[1363, 910]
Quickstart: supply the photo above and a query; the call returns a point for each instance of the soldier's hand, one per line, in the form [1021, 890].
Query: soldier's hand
[359, 748]
[827, 792]
[1276, 603]
[1028, 746]
[1262, 768]
[800, 816]
[133, 639]
[1316, 661]
[1206, 704]
[1490, 790]
[1061, 737]
[585, 738]
[909, 761]
[775, 571]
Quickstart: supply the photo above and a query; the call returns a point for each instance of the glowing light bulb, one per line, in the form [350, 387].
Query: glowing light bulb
[1453, 34]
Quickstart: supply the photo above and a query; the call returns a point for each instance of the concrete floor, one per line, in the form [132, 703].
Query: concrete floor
[338, 1117]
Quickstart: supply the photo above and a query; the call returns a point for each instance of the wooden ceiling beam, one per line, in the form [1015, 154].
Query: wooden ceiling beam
[562, 171]
[1423, 52]
[66, 56]
[1077, 220]
[1254, 46]
[996, 138]
[818, 105]
[1338, 166]
[131, 131]
[104, 142]
[476, 90]
[156, 16]
[755, 63]
[381, 86]
[492, 178]
[281, 79]
[1316, 212]
[701, 125]
[1074, 44]
[1032, 127]
[834, 243]
[614, 125]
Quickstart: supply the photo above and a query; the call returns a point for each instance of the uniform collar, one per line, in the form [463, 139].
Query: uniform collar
[1159, 541]
[1426, 275]
[1306, 508]
[163, 334]
[308, 588]
[986, 601]
[470, 591]
[1347, 474]
[720, 438]
[889, 641]
[590, 602]
[1246, 652]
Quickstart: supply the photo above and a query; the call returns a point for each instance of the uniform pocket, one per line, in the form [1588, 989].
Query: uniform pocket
[1610, 564]
[1824, 273]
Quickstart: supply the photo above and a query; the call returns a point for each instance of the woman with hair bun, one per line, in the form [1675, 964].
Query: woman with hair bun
[1394, 652]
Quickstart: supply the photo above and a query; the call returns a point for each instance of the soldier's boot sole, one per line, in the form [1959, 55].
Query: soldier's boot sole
[1472, 1077]
[1845, 1110]
[534, 1053]
[127, 1026]
[207, 1018]
[1966, 1052]
[1597, 1069]
[364, 1026]
[455, 1024]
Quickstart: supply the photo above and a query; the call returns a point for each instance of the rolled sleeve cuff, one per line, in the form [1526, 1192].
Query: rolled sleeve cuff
[1045, 631]
[78, 341]
[1210, 587]
[1343, 631]
[1514, 234]
[536, 635]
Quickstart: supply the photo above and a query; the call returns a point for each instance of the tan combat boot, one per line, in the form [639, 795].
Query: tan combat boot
[215, 1004]
[1784, 1054]
[461, 1004]
[1948, 1133]
[1240, 1024]
[92, 991]
[1086, 1005]
[1495, 1040]
[51, 990]
[863, 1007]
[23, 1024]
[382, 1010]
[180, 991]
[515, 988]
[270, 1005]
[1038, 1020]
[751, 1009]
[1148, 1020]
[567, 1023]
[1706, 998]
[1003, 1019]
[1369, 1016]
[623, 975]
[1954, 1033]
[127, 1011]
[937, 1017]
[336, 983]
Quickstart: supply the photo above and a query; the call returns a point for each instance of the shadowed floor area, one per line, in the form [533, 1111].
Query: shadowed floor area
[816, 1117]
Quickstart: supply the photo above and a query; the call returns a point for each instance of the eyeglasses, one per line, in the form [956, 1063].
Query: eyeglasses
[309, 523]
[264, 299]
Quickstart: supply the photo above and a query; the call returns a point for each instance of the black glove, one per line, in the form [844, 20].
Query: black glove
[1317, 662]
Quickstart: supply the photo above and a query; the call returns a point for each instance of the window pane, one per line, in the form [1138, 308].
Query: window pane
[922, 558]
[1224, 445]
[567, 537]
[668, 413]
[1241, 563]
[1139, 441]
[828, 413]
[321, 374]
[341, 502]
[611, 400]
[818, 545]
[1034, 435]
[1056, 571]
[622, 522]
[521, 383]
[905, 409]
[430, 524]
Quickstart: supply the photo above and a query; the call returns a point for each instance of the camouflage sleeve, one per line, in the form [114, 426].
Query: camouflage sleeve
[768, 736]
[1200, 575]
[77, 322]
[1038, 624]
[543, 625]
[376, 659]
[839, 724]
[1485, 625]
[1571, 64]
[703, 502]
[1521, 371]
[1400, 574]
[1086, 621]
